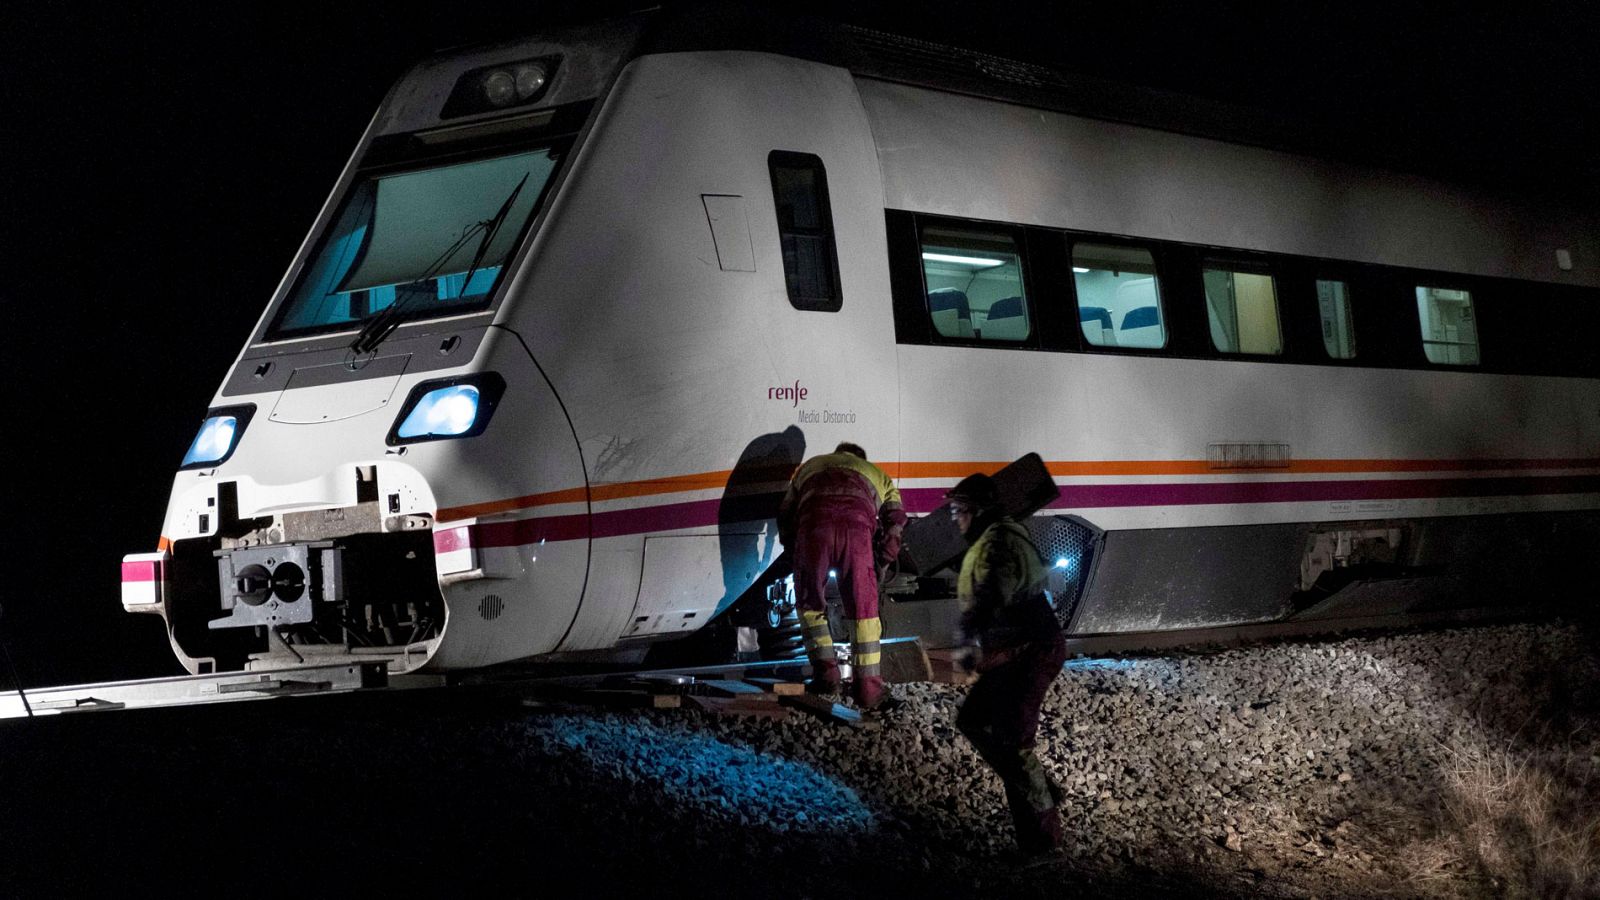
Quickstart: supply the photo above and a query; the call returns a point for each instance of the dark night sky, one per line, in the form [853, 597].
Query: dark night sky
[161, 166]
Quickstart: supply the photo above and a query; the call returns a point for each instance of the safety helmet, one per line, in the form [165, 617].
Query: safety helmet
[977, 491]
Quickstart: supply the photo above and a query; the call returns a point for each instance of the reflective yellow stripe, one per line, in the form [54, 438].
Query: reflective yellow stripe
[817, 633]
[865, 631]
[866, 635]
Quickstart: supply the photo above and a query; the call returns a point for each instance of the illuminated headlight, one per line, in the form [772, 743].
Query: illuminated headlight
[452, 408]
[219, 435]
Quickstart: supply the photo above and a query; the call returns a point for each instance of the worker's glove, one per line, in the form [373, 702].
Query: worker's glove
[967, 658]
[883, 558]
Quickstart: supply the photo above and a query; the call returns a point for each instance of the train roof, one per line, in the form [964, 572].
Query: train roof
[699, 25]
[873, 53]
[908, 60]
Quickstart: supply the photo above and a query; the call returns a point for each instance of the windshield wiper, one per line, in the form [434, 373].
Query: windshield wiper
[388, 319]
[492, 228]
[379, 327]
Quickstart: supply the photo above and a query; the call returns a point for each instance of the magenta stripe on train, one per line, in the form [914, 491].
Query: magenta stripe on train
[701, 513]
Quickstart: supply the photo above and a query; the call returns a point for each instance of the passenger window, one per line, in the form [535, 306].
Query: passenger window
[1243, 309]
[805, 230]
[974, 282]
[1119, 296]
[1449, 330]
[1338, 328]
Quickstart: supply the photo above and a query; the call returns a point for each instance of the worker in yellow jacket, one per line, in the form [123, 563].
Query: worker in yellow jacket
[1010, 636]
[842, 514]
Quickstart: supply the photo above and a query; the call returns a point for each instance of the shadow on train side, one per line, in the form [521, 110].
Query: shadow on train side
[750, 500]
[748, 544]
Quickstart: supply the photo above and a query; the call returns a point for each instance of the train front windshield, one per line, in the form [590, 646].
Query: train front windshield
[425, 242]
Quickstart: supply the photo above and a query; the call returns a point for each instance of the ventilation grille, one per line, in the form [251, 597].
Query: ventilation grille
[1068, 546]
[491, 606]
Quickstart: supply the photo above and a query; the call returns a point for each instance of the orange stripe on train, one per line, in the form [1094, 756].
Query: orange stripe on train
[1062, 469]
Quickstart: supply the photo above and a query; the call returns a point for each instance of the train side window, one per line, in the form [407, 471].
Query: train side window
[973, 277]
[1242, 306]
[1119, 296]
[1338, 327]
[1449, 328]
[805, 230]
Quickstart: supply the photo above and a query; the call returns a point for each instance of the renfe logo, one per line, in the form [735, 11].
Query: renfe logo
[795, 393]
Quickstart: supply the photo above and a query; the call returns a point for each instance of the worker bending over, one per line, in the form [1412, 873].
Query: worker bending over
[843, 514]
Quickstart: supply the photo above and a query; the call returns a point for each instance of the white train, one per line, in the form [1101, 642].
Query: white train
[536, 378]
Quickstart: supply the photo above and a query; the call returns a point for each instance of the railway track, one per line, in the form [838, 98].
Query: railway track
[553, 683]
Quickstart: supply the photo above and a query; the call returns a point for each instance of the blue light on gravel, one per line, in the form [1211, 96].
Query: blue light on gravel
[706, 774]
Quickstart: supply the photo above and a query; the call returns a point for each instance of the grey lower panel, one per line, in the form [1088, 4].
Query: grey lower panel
[1491, 562]
[1172, 578]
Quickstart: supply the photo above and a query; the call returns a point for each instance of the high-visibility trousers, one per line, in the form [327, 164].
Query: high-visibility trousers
[835, 536]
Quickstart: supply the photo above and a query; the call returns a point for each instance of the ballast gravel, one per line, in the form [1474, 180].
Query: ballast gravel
[1306, 769]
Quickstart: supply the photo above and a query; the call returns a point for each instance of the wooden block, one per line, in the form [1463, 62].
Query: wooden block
[905, 661]
[763, 706]
[778, 686]
[723, 688]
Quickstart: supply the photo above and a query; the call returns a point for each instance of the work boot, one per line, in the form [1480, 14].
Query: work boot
[1039, 833]
[825, 677]
[868, 691]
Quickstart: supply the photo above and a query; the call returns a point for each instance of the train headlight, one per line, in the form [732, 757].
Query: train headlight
[516, 83]
[499, 88]
[530, 79]
[502, 86]
[219, 435]
[451, 408]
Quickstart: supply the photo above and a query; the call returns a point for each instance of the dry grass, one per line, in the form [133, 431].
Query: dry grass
[1525, 817]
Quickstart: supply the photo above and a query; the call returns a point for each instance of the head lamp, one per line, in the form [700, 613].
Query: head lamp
[448, 408]
[499, 88]
[218, 436]
[503, 86]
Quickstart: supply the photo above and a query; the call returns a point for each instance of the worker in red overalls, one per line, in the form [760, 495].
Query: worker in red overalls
[843, 514]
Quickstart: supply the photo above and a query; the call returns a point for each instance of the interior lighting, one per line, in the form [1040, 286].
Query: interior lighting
[974, 261]
[1081, 271]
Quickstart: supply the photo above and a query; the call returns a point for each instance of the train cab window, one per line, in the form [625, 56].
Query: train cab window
[805, 230]
[1119, 296]
[1242, 306]
[1449, 329]
[1338, 328]
[973, 277]
[431, 242]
